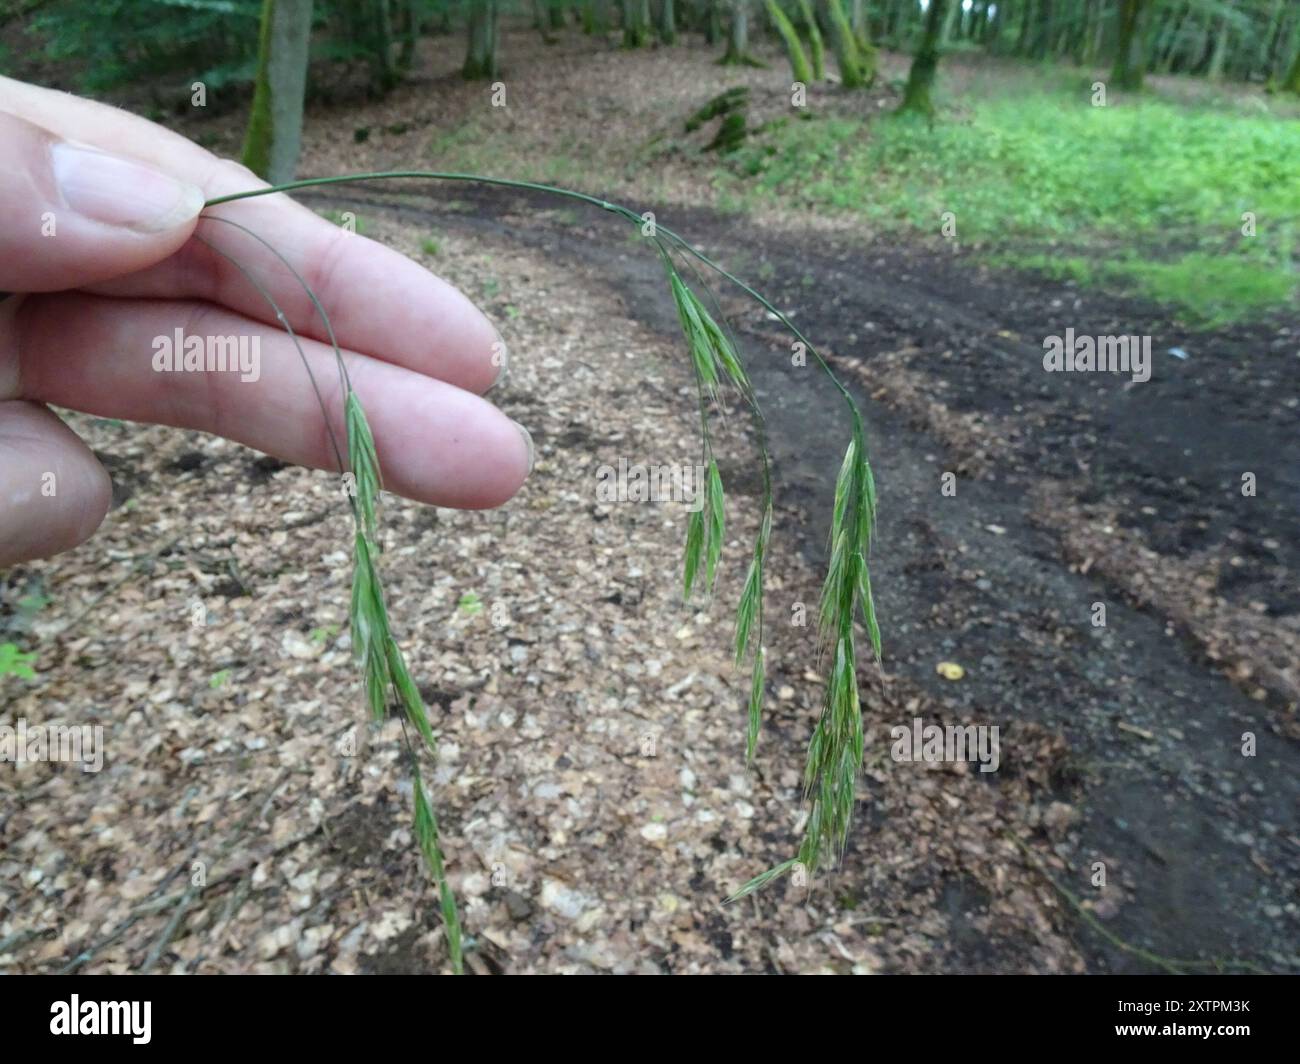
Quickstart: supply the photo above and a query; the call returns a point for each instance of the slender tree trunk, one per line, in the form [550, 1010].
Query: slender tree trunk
[274, 135]
[993, 26]
[1268, 44]
[1169, 48]
[1220, 50]
[889, 20]
[800, 68]
[667, 22]
[383, 71]
[858, 19]
[636, 23]
[920, 79]
[713, 22]
[854, 73]
[1130, 58]
[1083, 41]
[410, 35]
[1043, 31]
[816, 46]
[1026, 23]
[1291, 83]
[950, 22]
[593, 16]
[542, 10]
[738, 38]
[481, 54]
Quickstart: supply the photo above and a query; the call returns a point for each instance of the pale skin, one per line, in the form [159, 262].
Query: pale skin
[99, 241]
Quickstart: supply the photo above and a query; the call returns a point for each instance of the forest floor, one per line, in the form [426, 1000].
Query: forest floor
[591, 778]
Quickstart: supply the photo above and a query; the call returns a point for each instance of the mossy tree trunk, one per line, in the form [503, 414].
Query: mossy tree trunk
[1130, 57]
[481, 53]
[274, 135]
[858, 19]
[920, 79]
[816, 47]
[856, 70]
[800, 68]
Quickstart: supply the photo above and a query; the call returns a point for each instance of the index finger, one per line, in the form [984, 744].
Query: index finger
[379, 301]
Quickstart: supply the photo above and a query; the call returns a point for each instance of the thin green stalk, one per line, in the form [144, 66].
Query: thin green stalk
[835, 751]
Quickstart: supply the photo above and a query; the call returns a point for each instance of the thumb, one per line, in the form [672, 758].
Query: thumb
[72, 215]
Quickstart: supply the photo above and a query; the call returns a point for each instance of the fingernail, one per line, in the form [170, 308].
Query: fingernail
[528, 439]
[500, 359]
[117, 191]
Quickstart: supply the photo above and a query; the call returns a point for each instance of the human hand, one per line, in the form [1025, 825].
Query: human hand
[98, 218]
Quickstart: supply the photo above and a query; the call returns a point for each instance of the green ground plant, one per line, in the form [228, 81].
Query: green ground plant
[1195, 206]
[836, 748]
[14, 662]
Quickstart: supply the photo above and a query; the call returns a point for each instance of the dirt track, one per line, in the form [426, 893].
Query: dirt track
[1205, 841]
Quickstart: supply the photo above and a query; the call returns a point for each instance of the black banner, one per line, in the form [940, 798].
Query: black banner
[152, 1013]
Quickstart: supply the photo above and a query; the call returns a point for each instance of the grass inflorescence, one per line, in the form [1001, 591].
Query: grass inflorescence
[835, 751]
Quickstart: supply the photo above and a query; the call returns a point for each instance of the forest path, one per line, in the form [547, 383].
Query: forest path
[946, 359]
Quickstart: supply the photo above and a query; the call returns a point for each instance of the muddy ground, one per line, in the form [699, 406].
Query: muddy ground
[596, 800]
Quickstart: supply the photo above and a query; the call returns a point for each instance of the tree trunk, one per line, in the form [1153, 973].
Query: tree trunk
[410, 35]
[1130, 58]
[1083, 42]
[738, 38]
[1026, 23]
[383, 72]
[856, 71]
[920, 79]
[667, 22]
[897, 18]
[1043, 30]
[1268, 44]
[481, 55]
[636, 23]
[275, 127]
[1220, 50]
[954, 12]
[1169, 48]
[816, 47]
[713, 22]
[1291, 83]
[858, 19]
[593, 16]
[800, 68]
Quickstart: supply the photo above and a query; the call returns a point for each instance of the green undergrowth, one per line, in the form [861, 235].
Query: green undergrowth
[1046, 173]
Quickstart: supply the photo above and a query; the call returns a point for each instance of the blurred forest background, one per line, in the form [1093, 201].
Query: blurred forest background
[1138, 195]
